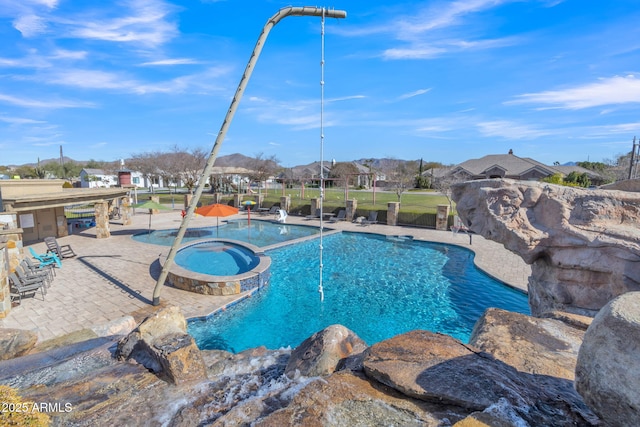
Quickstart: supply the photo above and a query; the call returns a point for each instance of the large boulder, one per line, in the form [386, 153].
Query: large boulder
[161, 344]
[321, 353]
[344, 399]
[608, 368]
[16, 342]
[440, 369]
[583, 245]
[529, 344]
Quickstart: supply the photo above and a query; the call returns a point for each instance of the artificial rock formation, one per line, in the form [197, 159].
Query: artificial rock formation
[608, 367]
[161, 343]
[414, 379]
[583, 245]
[529, 344]
[321, 353]
[16, 342]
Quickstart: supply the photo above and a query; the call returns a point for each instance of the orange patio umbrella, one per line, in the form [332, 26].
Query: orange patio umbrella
[217, 210]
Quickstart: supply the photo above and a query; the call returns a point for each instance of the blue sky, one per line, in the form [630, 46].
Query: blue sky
[440, 80]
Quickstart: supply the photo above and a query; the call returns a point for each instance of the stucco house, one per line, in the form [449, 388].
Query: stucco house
[504, 166]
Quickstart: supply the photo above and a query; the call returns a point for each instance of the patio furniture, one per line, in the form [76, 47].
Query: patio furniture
[282, 216]
[342, 215]
[33, 268]
[314, 216]
[46, 259]
[371, 219]
[62, 252]
[27, 276]
[20, 288]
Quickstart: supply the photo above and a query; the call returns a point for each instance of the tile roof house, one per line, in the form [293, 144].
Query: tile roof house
[506, 166]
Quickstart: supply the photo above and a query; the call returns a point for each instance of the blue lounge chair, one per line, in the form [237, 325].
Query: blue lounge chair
[49, 258]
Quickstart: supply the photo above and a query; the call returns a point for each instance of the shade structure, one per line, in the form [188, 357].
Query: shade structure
[150, 204]
[217, 210]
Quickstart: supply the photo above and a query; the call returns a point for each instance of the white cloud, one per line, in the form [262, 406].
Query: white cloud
[607, 91]
[143, 21]
[68, 54]
[19, 120]
[176, 61]
[414, 93]
[90, 79]
[30, 25]
[46, 104]
[442, 15]
[510, 130]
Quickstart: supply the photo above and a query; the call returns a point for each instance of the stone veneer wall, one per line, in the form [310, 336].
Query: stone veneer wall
[220, 287]
[10, 255]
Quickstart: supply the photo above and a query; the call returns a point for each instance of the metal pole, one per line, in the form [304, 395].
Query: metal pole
[282, 13]
[633, 154]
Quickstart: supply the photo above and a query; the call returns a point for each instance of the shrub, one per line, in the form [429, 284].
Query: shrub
[25, 416]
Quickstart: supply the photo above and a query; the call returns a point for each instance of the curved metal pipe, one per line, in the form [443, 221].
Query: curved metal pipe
[282, 13]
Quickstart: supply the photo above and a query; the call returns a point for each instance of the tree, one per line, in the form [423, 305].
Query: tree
[577, 179]
[344, 173]
[401, 175]
[187, 165]
[262, 168]
[444, 183]
[145, 163]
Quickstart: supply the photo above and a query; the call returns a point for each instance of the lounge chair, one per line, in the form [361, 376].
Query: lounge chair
[342, 215]
[63, 251]
[371, 219]
[282, 216]
[21, 288]
[46, 259]
[314, 216]
[273, 211]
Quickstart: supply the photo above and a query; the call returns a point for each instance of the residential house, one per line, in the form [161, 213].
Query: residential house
[97, 178]
[504, 166]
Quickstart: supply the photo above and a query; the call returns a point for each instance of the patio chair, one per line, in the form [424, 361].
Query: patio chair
[282, 216]
[314, 216]
[371, 219]
[33, 269]
[342, 215]
[27, 276]
[21, 288]
[273, 211]
[46, 259]
[63, 251]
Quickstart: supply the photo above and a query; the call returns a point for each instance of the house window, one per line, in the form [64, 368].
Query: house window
[136, 180]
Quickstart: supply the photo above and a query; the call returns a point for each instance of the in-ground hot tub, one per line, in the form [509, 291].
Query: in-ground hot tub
[218, 267]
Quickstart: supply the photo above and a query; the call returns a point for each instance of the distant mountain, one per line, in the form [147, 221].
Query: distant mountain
[235, 160]
[47, 161]
[570, 164]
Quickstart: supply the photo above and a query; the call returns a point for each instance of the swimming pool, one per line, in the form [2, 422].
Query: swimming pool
[375, 286]
[216, 258]
[260, 233]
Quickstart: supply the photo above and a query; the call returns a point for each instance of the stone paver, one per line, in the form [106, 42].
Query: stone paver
[114, 277]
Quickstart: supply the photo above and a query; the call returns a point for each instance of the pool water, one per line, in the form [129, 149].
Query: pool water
[216, 258]
[375, 286]
[260, 233]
